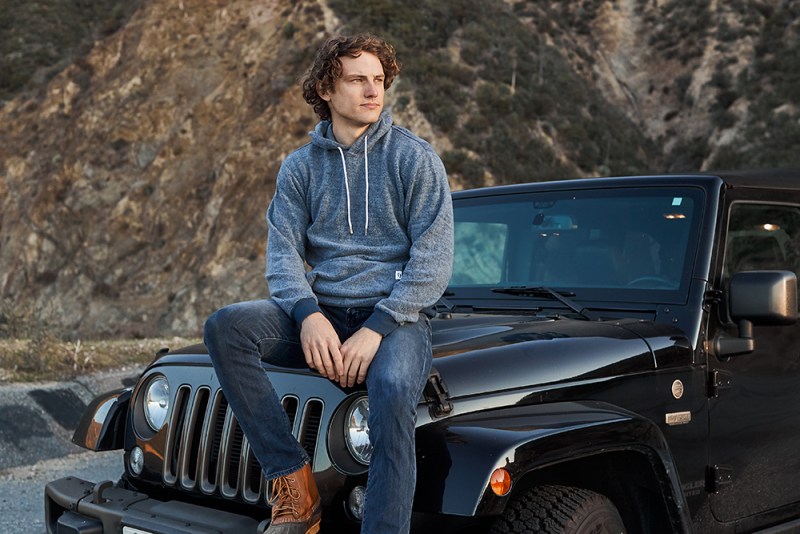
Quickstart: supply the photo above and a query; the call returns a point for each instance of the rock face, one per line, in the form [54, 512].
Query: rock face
[133, 185]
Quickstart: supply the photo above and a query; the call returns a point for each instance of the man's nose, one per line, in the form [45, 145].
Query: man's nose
[371, 89]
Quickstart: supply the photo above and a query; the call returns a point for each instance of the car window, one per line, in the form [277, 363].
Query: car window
[625, 238]
[762, 237]
[479, 253]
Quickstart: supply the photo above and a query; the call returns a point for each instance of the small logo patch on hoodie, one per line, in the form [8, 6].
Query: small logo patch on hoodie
[398, 275]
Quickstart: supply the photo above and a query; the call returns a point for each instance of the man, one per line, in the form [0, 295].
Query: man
[367, 206]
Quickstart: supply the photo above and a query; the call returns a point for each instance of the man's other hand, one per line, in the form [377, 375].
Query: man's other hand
[357, 353]
[321, 345]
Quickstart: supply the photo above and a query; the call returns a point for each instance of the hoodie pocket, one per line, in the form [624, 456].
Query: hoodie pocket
[355, 278]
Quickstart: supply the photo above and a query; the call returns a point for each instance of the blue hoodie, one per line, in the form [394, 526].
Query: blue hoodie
[374, 221]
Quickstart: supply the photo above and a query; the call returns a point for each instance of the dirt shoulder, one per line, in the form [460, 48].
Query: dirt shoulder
[42, 358]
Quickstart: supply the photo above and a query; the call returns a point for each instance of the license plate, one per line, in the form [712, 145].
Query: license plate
[131, 530]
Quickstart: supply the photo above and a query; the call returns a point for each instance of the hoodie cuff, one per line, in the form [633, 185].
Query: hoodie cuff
[381, 322]
[303, 308]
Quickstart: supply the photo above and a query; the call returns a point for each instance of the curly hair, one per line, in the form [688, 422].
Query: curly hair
[327, 67]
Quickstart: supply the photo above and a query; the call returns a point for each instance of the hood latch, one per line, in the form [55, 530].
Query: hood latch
[436, 392]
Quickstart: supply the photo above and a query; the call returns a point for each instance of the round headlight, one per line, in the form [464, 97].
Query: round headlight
[156, 403]
[356, 431]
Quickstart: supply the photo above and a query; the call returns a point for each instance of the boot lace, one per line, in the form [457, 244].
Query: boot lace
[285, 497]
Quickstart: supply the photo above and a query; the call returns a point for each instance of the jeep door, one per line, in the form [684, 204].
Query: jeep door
[754, 408]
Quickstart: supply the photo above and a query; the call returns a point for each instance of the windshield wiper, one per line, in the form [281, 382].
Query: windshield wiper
[539, 291]
[444, 303]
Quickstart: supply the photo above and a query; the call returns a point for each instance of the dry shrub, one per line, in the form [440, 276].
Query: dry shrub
[32, 348]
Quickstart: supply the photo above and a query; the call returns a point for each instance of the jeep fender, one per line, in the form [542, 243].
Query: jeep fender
[456, 456]
[102, 426]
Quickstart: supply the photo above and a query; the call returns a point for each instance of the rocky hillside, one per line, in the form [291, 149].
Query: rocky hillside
[136, 163]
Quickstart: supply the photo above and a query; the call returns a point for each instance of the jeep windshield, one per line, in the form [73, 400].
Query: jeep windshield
[606, 246]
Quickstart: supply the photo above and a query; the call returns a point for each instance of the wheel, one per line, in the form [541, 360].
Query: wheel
[559, 510]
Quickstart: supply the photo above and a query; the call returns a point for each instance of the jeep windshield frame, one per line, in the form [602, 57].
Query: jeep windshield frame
[613, 247]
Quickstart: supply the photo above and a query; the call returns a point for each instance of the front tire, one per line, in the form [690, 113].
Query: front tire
[559, 510]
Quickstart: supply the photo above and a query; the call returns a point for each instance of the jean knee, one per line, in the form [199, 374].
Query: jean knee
[221, 331]
[217, 323]
[394, 392]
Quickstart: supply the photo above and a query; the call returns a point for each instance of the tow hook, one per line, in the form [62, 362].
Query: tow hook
[98, 489]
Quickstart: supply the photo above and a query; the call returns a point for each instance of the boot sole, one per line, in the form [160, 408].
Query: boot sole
[313, 529]
[316, 516]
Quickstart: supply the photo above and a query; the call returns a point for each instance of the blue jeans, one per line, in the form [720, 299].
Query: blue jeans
[240, 336]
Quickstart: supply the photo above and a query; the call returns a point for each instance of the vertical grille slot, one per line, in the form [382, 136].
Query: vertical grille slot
[290, 405]
[192, 438]
[174, 444]
[212, 443]
[252, 478]
[230, 456]
[309, 432]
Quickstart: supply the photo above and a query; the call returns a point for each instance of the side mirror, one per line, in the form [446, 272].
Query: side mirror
[765, 298]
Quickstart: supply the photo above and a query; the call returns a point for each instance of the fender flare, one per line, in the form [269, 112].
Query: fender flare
[456, 456]
[102, 426]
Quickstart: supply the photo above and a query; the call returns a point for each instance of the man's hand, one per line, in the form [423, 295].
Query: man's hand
[321, 345]
[357, 353]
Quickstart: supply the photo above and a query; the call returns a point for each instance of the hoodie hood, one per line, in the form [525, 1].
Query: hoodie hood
[322, 136]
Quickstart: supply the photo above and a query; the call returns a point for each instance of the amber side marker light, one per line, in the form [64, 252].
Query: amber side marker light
[500, 481]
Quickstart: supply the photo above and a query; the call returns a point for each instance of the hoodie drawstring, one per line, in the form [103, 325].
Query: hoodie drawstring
[347, 188]
[366, 192]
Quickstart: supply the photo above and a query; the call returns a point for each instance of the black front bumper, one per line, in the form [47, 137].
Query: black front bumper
[75, 506]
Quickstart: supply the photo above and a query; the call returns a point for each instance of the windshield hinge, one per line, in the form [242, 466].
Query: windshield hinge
[711, 298]
[718, 477]
[436, 392]
[717, 381]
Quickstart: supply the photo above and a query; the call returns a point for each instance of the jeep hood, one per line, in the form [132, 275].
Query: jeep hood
[481, 353]
[476, 354]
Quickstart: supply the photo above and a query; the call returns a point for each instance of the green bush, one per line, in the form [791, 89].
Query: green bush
[681, 29]
[723, 119]
[47, 35]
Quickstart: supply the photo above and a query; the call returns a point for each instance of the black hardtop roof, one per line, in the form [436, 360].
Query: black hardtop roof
[768, 178]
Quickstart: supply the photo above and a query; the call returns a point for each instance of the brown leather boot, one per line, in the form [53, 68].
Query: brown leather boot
[295, 504]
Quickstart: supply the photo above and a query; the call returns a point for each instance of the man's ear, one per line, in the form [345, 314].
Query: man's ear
[326, 96]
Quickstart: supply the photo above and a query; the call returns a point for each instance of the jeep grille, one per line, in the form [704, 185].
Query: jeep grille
[206, 450]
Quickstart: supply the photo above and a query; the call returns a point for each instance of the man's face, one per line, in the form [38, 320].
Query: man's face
[357, 97]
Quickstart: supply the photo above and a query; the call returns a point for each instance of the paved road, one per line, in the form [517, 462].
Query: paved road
[22, 487]
[36, 426]
[37, 420]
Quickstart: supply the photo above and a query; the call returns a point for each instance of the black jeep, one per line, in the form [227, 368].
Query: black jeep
[612, 355]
